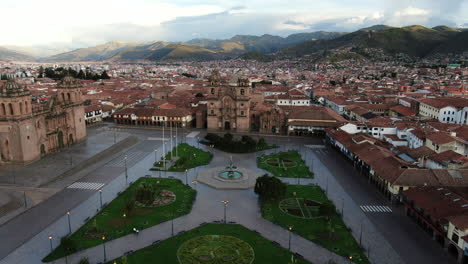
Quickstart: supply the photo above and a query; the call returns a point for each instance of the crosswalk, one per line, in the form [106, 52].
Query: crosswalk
[86, 185]
[321, 151]
[376, 208]
[157, 139]
[132, 158]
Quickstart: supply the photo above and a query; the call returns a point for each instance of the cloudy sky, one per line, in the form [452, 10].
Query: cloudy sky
[90, 22]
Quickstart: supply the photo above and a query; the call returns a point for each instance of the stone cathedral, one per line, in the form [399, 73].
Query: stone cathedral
[228, 106]
[29, 131]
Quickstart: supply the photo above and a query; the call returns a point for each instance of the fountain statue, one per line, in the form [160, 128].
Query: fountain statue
[231, 171]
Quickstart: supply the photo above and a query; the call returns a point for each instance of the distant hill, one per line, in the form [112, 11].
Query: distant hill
[253, 55]
[377, 27]
[265, 44]
[97, 53]
[165, 51]
[414, 41]
[456, 44]
[10, 55]
[38, 51]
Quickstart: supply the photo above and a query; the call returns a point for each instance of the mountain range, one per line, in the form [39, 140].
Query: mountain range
[412, 41]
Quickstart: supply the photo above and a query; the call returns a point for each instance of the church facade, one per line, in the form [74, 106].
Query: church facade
[29, 131]
[228, 107]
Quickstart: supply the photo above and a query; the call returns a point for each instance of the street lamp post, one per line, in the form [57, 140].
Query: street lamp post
[115, 137]
[50, 241]
[104, 248]
[289, 241]
[172, 147]
[342, 207]
[25, 201]
[198, 141]
[225, 202]
[126, 171]
[69, 222]
[360, 236]
[100, 197]
[71, 160]
[155, 156]
[172, 222]
[186, 177]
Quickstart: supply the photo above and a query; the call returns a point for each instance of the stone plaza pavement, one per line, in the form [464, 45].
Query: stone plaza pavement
[242, 209]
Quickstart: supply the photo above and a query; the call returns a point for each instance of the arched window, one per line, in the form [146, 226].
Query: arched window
[63, 97]
[3, 109]
[69, 97]
[242, 91]
[26, 106]
[21, 108]
[10, 108]
[212, 91]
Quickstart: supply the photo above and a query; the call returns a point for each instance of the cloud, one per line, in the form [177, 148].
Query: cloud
[38, 22]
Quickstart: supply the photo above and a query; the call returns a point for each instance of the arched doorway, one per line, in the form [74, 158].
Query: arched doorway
[60, 139]
[6, 150]
[43, 150]
[70, 140]
[227, 125]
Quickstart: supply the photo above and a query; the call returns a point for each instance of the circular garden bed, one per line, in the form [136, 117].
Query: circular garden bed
[212, 249]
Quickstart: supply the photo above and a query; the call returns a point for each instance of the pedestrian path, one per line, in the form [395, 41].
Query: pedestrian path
[314, 147]
[376, 209]
[193, 134]
[86, 185]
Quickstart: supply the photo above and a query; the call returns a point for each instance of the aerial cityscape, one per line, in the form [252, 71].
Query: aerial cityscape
[230, 132]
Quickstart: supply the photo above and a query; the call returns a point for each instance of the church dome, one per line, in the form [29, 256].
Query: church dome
[69, 82]
[12, 89]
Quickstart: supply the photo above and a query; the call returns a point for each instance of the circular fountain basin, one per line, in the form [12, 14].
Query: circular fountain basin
[230, 175]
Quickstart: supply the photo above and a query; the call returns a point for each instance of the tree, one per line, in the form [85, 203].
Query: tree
[269, 188]
[41, 72]
[327, 209]
[145, 193]
[104, 75]
[81, 75]
[228, 137]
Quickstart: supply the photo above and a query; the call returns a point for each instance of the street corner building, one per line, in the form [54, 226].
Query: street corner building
[29, 130]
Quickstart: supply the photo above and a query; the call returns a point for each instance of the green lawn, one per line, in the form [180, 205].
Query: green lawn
[264, 251]
[112, 223]
[189, 157]
[312, 223]
[285, 164]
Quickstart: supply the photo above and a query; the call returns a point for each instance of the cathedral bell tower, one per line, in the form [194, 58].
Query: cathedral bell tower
[17, 131]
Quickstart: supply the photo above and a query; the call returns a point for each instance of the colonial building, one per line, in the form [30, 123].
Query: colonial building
[29, 131]
[228, 106]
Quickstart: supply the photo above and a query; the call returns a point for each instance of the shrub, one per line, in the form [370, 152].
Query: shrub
[68, 244]
[84, 260]
[145, 194]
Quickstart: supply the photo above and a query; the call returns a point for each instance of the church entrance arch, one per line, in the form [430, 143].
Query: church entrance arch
[60, 139]
[227, 125]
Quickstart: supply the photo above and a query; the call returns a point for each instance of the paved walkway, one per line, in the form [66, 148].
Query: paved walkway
[243, 209]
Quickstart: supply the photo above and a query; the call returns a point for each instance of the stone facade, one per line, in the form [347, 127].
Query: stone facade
[29, 131]
[228, 106]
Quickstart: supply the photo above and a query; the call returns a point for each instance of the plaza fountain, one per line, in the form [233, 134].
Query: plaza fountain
[230, 177]
[231, 172]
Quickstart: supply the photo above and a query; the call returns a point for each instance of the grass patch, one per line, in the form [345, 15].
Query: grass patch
[112, 223]
[285, 164]
[323, 227]
[171, 250]
[189, 157]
